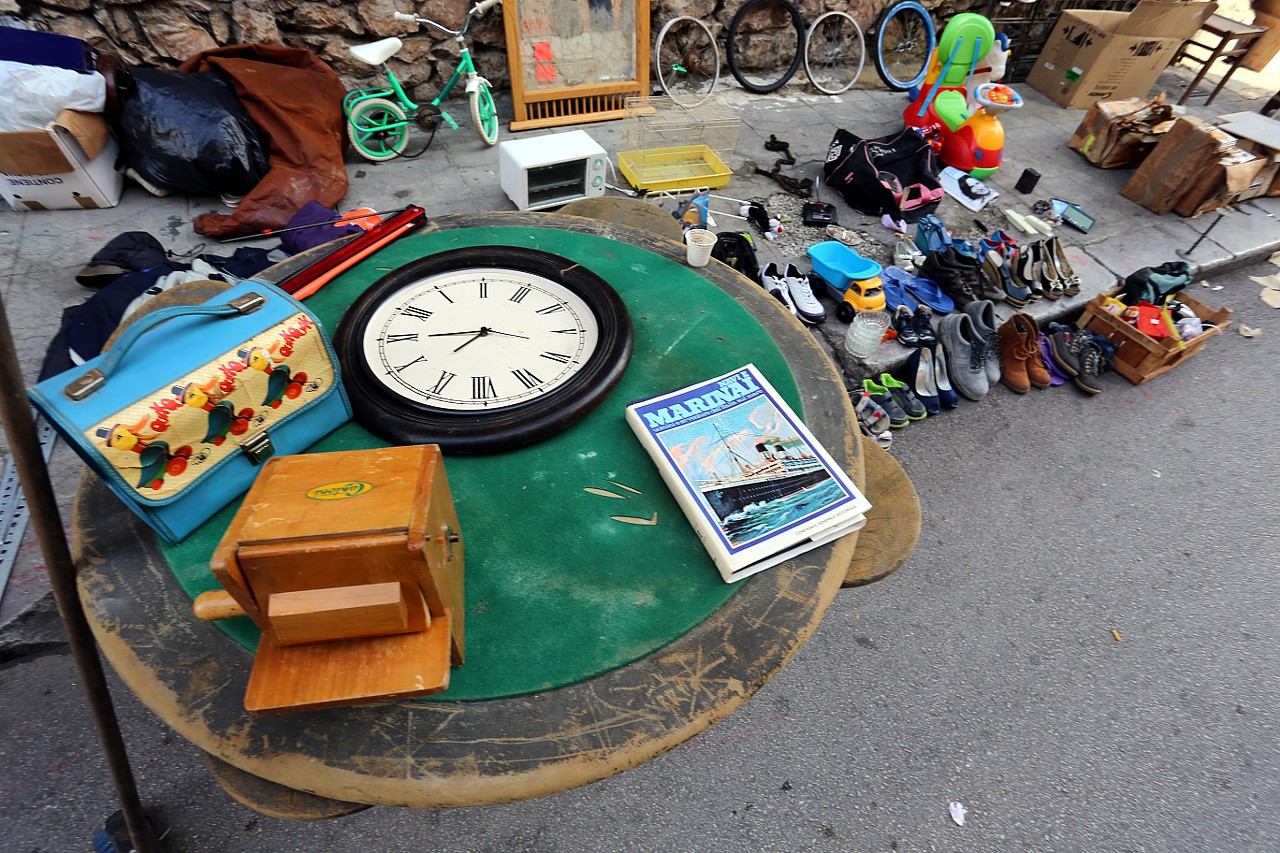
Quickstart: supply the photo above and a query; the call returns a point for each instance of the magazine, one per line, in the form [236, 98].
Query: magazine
[755, 484]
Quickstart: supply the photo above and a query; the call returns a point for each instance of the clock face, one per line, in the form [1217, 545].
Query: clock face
[482, 349]
[478, 339]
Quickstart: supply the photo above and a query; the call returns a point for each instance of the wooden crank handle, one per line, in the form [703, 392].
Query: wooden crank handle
[216, 604]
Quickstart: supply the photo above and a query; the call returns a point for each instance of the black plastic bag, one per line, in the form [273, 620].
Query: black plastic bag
[895, 174]
[189, 133]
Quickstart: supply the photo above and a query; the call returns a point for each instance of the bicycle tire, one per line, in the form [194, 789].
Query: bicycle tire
[686, 60]
[484, 115]
[749, 55]
[834, 52]
[367, 127]
[905, 40]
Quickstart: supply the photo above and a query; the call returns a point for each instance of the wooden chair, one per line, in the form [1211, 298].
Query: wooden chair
[1233, 40]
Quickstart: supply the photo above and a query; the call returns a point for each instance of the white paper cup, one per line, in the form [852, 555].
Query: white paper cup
[865, 333]
[699, 242]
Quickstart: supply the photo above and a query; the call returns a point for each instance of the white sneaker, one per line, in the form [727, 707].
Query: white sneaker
[808, 308]
[907, 256]
[776, 285]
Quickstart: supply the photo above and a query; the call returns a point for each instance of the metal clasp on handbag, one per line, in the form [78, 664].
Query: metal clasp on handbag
[258, 448]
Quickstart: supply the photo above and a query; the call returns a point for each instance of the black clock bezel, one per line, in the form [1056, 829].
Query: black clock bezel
[401, 420]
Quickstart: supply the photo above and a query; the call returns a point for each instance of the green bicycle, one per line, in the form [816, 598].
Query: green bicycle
[378, 118]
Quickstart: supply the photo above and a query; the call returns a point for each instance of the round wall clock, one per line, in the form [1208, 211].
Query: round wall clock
[482, 349]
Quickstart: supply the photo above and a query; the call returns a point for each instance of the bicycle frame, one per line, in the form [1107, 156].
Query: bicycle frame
[466, 67]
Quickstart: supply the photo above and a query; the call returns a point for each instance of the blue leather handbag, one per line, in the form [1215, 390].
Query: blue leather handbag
[180, 413]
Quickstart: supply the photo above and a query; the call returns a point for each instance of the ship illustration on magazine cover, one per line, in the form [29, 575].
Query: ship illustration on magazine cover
[753, 481]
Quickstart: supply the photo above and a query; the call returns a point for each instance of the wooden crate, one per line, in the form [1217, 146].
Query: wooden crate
[1140, 357]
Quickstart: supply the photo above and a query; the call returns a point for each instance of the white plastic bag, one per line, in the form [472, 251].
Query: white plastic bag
[31, 96]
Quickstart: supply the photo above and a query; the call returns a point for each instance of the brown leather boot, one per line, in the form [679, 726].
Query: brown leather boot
[1037, 373]
[1013, 355]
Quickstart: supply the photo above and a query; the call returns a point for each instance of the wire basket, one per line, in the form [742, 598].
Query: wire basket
[669, 146]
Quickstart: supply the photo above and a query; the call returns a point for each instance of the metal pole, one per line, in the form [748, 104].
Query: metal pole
[19, 429]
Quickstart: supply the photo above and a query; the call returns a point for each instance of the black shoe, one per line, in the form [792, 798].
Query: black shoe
[1064, 345]
[996, 269]
[957, 279]
[923, 321]
[1023, 271]
[1092, 363]
[904, 323]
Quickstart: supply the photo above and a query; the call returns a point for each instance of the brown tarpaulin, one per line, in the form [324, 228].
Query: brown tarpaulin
[296, 100]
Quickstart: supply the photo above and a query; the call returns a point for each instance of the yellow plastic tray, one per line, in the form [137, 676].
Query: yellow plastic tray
[686, 167]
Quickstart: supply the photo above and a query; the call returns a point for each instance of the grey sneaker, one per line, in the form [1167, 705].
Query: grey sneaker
[773, 282]
[1092, 362]
[983, 313]
[807, 306]
[966, 355]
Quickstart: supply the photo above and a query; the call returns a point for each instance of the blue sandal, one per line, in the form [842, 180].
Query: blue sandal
[923, 290]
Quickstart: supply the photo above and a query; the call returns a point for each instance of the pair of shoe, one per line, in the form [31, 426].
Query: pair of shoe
[998, 267]
[1079, 354]
[793, 290]
[958, 276]
[932, 236]
[968, 349]
[904, 288]
[872, 417]
[1021, 364]
[1043, 268]
[928, 379]
[897, 399]
[907, 256]
[914, 328]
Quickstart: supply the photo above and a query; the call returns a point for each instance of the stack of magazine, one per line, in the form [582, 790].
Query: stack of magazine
[755, 484]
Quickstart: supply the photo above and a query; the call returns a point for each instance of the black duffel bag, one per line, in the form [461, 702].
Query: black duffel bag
[895, 174]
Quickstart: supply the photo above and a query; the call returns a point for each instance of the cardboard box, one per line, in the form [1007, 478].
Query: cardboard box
[1260, 135]
[1179, 161]
[71, 163]
[1116, 134]
[1095, 55]
[1222, 183]
[1139, 357]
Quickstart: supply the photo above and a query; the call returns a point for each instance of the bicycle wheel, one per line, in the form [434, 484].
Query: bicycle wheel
[686, 60]
[484, 115]
[834, 52]
[379, 129]
[905, 40]
[765, 44]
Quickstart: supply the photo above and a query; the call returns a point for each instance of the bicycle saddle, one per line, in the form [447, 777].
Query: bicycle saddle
[378, 52]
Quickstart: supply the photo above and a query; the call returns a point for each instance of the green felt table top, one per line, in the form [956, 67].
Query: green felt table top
[557, 591]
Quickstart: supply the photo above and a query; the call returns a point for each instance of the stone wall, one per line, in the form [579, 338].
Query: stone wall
[163, 33]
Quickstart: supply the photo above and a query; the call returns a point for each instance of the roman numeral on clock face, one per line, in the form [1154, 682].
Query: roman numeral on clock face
[416, 313]
[395, 339]
[482, 388]
[445, 376]
[551, 309]
[405, 367]
[520, 294]
[526, 378]
[557, 357]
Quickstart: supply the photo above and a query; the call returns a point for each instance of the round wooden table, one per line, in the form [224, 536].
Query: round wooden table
[428, 754]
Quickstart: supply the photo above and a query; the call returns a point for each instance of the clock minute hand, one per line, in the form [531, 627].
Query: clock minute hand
[507, 334]
[454, 334]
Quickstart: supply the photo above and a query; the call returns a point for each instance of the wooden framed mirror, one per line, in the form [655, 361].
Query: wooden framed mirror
[575, 61]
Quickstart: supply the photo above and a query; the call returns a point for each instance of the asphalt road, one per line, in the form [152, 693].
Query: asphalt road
[1082, 651]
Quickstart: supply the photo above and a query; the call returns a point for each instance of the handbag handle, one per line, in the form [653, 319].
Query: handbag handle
[94, 379]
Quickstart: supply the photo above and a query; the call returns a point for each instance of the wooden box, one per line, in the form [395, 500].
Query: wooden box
[1140, 357]
[351, 563]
